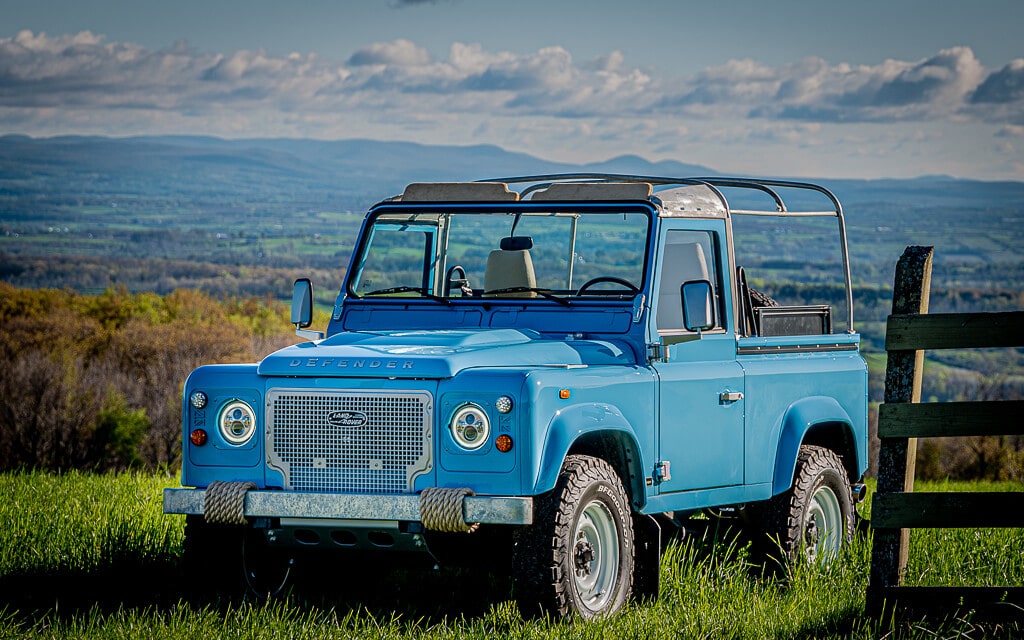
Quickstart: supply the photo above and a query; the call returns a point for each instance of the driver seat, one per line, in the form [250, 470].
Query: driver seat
[683, 262]
[511, 266]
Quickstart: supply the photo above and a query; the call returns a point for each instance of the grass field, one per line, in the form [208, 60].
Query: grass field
[92, 556]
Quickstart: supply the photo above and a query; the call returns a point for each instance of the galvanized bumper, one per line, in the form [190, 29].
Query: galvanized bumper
[332, 506]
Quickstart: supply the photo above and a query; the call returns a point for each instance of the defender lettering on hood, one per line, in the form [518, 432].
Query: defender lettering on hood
[354, 364]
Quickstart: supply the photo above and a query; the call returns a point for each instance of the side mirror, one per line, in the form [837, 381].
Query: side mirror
[302, 303]
[698, 305]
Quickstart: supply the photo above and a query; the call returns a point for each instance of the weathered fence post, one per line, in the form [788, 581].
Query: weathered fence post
[897, 458]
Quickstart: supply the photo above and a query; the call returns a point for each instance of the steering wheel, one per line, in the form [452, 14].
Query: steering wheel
[450, 280]
[601, 279]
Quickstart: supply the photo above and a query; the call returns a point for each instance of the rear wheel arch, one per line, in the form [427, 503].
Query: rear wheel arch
[837, 437]
[816, 421]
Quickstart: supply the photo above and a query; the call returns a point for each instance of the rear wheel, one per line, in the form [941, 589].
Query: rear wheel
[815, 517]
[577, 557]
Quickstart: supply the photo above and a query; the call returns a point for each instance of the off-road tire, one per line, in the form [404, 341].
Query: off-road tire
[761, 299]
[581, 539]
[815, 517]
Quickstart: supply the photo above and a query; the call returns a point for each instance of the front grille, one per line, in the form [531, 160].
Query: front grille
[349, 442]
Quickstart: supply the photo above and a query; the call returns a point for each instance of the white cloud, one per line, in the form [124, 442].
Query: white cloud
[542, 101]
[403, 53]
[1000, 98]
[611, 62]
[83, 71]
[471, 59]
[930, 87]
[1010, 131]
[934, 88]
[1003, 86]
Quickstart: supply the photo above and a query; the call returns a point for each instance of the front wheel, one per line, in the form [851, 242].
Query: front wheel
[577, 557]
[815, 517]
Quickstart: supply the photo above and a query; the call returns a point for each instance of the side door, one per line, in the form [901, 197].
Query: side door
[700, 383]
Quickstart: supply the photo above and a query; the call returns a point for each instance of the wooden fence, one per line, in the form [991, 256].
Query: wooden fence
[901, 420]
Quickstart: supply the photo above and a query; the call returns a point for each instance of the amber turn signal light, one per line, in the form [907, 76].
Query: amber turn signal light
[198, 437]
[503, 443]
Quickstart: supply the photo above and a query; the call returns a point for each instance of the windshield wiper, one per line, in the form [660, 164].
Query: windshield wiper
[407, 289]
[544, 293]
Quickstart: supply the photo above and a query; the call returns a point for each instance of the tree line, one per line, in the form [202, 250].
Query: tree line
[93, 382]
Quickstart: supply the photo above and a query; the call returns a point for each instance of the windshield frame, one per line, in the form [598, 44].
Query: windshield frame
[547, 208]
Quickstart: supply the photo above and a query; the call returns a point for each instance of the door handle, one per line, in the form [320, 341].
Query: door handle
[730, 396]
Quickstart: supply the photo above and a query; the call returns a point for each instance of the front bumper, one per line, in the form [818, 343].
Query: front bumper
[333, 506]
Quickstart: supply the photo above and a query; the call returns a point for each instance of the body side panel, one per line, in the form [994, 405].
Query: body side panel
[788, 394]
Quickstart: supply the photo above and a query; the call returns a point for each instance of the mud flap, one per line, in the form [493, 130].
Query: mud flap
[647, 563]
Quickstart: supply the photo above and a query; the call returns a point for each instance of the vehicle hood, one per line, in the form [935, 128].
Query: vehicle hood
[436, 354]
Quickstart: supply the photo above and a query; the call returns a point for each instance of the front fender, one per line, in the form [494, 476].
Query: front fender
[568, 426]
[802, 416]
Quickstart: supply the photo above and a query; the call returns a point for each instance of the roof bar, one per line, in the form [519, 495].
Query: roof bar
[766, 186]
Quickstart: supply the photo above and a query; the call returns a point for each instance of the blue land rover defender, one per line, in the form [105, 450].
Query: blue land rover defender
[536, 369]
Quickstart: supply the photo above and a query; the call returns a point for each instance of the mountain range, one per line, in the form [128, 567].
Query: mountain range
[130, 196]
[357, 172]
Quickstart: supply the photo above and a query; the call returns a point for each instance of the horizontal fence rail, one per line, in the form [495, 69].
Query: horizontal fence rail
[947, 510]
[998, 604]
[999, 418]
[908, 332]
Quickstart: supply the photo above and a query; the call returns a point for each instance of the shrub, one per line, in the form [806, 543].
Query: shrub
[118, 435]
[46, 413]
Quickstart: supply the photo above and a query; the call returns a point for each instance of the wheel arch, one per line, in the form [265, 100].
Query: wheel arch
[597, 430]
[816, 420]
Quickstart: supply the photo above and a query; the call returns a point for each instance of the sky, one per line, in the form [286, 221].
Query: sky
[790, 88]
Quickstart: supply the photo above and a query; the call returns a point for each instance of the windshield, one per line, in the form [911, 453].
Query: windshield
[479, 254]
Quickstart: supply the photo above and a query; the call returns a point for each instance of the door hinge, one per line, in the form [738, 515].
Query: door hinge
[662, 472]
[656, 352]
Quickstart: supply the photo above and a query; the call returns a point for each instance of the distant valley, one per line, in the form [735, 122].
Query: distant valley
[153, 213]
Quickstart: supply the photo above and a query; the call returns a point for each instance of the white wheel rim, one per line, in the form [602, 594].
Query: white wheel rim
[595, 556]
[823, 526]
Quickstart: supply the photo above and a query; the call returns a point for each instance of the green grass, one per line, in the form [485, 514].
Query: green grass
[83, 523]
[966, 557]
[89, 556]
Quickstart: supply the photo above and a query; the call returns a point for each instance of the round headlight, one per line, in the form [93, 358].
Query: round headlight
[237, 422]
[470, 426]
